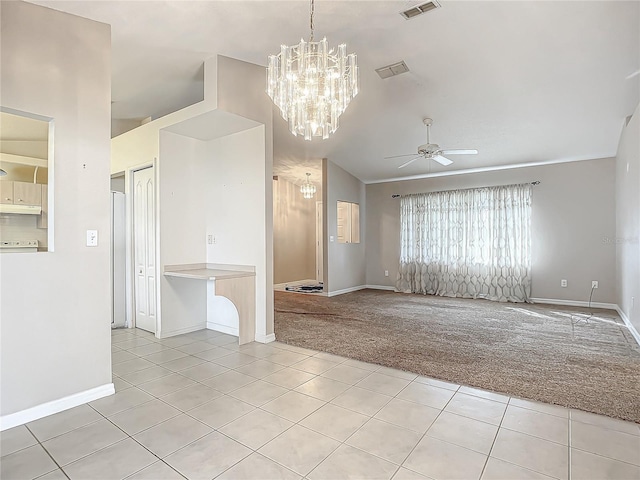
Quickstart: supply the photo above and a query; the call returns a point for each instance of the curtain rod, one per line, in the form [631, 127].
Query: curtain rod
[537, 182]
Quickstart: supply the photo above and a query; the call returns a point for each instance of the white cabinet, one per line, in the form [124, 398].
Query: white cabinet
[20, 193]
[6, 192]
[25, 193]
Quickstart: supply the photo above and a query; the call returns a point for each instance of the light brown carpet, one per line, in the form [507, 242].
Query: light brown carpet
[529, 351]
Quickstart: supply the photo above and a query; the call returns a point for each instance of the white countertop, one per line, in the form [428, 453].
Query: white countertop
[208, 273]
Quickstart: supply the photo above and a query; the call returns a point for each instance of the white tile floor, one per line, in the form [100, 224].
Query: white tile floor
[198, 406]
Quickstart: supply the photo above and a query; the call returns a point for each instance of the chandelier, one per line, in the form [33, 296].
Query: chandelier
[312, 85]
[308, 189]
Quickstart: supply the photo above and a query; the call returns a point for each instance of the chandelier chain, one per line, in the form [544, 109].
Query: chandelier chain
[312, 9]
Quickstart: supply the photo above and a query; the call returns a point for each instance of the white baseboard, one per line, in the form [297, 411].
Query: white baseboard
[55, 406]
[223, 329]
[608, 306]
[575, 303]
[181, 331]
[382, 287]
[266, 338]
[628, 323]
[346, 290]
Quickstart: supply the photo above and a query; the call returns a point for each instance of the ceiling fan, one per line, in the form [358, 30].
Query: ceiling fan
[432, 151]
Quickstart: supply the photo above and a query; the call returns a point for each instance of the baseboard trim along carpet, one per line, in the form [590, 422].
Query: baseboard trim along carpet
[577, 357]
[574, 303]
[628, 323]
[381, 287]
[55, 406]
[335, 293]
[580, 303]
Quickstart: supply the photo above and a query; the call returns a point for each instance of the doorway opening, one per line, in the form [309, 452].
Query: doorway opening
[298, 228]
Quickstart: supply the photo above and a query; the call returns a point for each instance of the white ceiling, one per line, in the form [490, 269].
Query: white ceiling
[520, 81]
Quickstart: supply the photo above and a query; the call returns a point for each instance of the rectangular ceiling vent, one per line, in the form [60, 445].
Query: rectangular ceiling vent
[420, 9]
[392, 70]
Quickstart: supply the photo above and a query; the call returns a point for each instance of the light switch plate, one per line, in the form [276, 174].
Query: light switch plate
[92, 238]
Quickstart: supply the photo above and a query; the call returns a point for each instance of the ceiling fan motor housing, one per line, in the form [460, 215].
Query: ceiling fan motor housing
[428, 149]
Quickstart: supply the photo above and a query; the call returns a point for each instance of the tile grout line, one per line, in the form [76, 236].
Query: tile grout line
[47, 452]
[130, 437]
[425, 432]
[484, 467]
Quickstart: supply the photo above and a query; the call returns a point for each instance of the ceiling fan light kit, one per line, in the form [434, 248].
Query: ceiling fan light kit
[432, 151]
[312, 85]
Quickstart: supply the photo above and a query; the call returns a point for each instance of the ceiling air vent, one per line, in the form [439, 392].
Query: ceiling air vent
[420, 9]
[392, 70]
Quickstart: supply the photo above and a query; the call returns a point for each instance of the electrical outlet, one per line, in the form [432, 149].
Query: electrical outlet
[594, 284]
[92, 238]
[563, 282]
[210, 239]
[386, 273]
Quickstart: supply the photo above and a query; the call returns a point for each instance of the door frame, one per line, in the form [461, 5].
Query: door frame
[319, 242]
[130, 257]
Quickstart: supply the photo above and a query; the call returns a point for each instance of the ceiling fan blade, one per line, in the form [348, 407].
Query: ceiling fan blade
[459, 152]
[398, 156]
[410, 161]
[442, 160]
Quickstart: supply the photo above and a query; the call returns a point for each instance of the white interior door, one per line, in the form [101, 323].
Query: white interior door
[144, 245]
[319, 256]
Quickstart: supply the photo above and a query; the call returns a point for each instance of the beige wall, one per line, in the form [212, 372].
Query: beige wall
[345, 262]
[628, 220]
[294, 233]
[56, 309]
[573, 212]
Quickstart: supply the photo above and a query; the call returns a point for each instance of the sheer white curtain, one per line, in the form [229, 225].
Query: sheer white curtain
[473, 243]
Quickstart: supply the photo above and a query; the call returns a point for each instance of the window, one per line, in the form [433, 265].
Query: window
[473, 243]
[348, 222]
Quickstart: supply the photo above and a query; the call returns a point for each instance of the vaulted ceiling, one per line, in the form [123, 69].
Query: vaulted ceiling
[521, 81]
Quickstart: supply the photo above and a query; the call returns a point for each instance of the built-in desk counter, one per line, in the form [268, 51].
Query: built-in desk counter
[234, 284]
